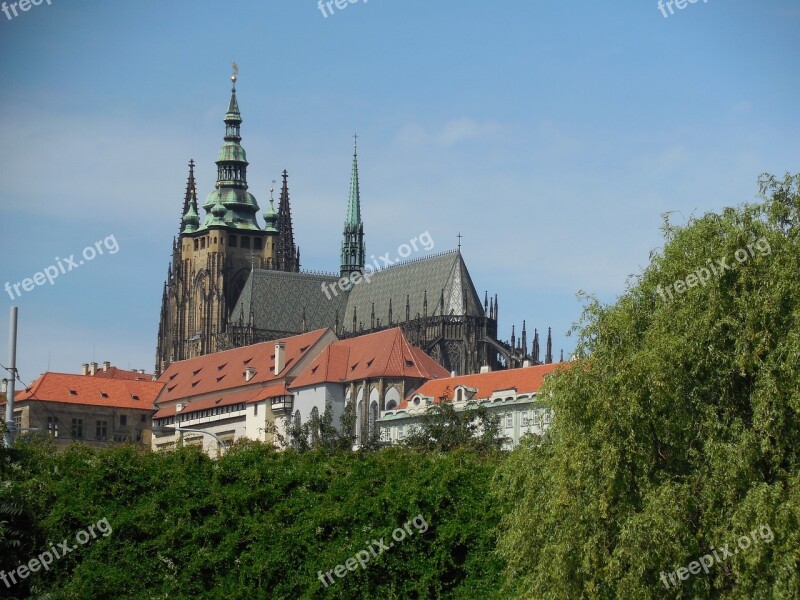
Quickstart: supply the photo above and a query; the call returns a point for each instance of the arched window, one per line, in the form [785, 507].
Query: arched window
[373, 418]
[359, 423]
[460, 395]
[391, 405]
[314, 425]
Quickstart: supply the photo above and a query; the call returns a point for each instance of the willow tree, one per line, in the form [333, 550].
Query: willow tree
[678, 432]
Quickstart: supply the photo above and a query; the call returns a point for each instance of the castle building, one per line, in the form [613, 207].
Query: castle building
[232, 283]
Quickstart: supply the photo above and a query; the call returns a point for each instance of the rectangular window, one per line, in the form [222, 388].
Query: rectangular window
[123, 420]
[77, 429]
[509, 420]
[525, 420]
[197, 244]
[101, 432]
[52, 426]
[400, 432]
[18, 420]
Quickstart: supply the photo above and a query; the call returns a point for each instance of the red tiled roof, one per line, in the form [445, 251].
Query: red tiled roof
[226, 399]
[117, 373]
[383, 354]
[225, 370]
[523, 380]
[92, 391]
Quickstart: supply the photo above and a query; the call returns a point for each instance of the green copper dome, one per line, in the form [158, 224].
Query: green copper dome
[230, 204]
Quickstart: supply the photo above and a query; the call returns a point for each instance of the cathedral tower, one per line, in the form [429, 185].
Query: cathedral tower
[213, 257]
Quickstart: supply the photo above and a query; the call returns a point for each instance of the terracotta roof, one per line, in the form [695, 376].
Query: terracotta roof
[523, 380]
[225, 370]
[117, 373]
[226, 399]
[92, 391]
[382, 354]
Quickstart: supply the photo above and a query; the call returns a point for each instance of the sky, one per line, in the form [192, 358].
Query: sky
[551, 135]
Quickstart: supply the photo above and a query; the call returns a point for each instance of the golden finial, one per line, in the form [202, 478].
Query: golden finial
[235, 75]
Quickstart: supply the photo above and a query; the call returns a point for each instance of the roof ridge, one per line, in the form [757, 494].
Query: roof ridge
[412, 261]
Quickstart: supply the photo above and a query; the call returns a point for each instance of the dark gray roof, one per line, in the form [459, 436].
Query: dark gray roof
[280, 299]
[445, 271]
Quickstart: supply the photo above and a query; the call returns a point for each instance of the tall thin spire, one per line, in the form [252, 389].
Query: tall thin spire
[535, 349]
[549, 356]
[353, 252]
[190, 220]
[287, 253]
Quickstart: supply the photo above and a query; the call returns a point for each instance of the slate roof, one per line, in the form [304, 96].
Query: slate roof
[282, 297]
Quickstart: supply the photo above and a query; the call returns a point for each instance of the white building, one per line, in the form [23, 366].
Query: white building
[257, 391]
[511, 394]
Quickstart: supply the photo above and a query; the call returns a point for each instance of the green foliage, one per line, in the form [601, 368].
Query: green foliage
[677, 432]
[442, 428]
[258, 522]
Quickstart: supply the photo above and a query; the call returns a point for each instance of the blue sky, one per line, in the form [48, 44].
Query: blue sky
[552, 135]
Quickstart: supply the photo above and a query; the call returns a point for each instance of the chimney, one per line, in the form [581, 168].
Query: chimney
[85, 369]
[526, 363]
[249, 373]
[452, 373]
[93, 368]
[106, 366]
[486, 369]
[280, 357]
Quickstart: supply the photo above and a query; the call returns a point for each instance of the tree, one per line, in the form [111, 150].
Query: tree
[444, 428]
[677, 432]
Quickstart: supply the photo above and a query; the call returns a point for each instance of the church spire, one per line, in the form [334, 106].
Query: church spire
[287, 253]
[190, 220]
[232, 204]
[353, 253]
[548, 358]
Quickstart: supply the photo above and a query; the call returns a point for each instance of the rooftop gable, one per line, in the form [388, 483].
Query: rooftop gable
[383, 354]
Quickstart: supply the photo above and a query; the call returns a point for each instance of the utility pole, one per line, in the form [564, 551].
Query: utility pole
[12, 370]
